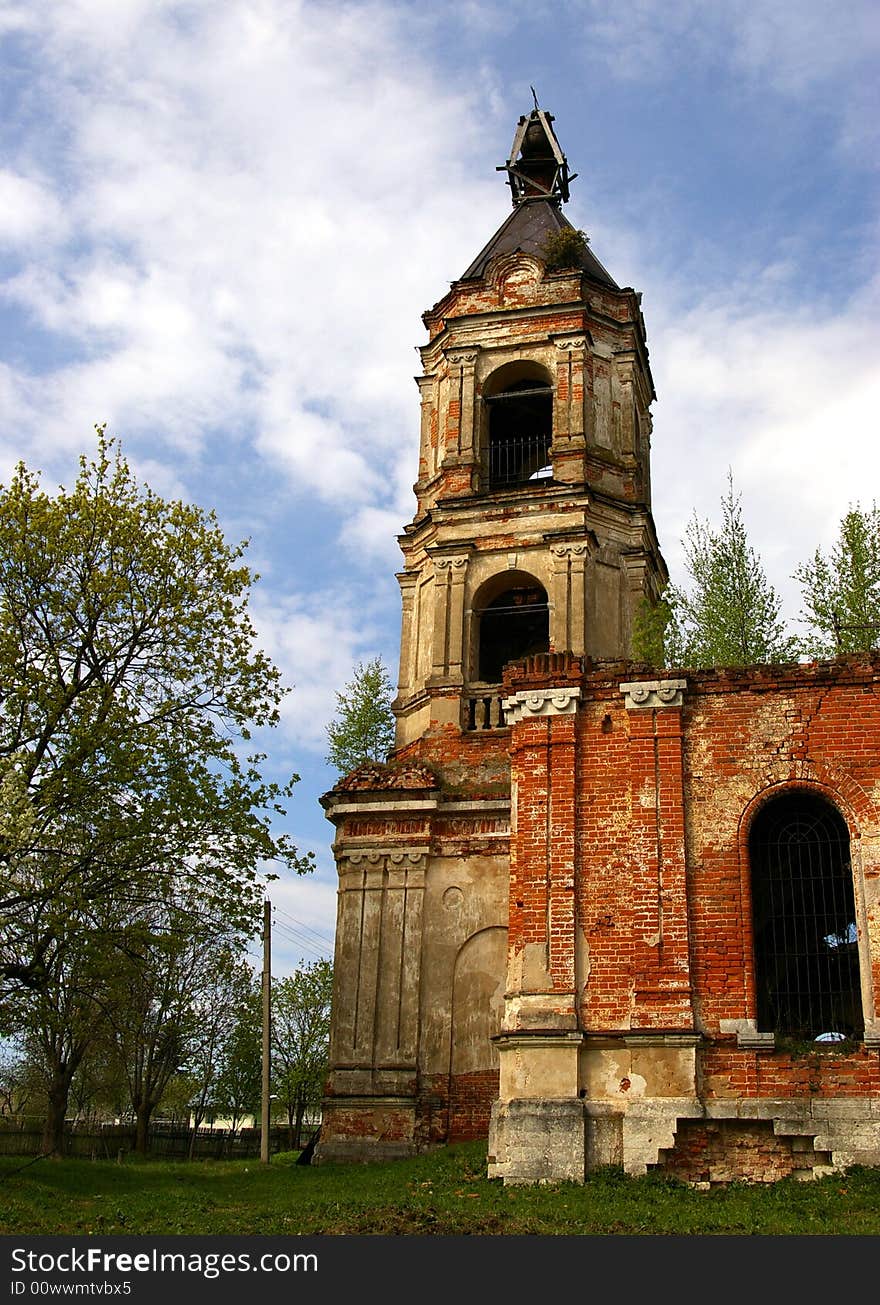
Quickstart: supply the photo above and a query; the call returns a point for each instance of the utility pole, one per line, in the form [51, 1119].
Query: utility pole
[267, 1025]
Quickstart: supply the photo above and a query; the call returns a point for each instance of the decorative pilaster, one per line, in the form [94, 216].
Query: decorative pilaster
[378, 961]
[569, 596]
[449, 577]
[460, 424]
[661, 964]
[408, 581]
[541, 968]
[369, 1108]
[428, 459]
[537, 1130]
[569, 412]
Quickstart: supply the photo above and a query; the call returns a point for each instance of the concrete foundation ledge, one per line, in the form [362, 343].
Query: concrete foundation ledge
[359, 1130]
[353, 1151]
[538, 1141]
[649, 1127]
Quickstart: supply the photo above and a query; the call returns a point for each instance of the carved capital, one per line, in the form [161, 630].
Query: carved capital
[529, 703]
[646, 694]
[579, 550]
[450, 563]
[375, 855]
[461, 357]
[570, 341]
[381, 868]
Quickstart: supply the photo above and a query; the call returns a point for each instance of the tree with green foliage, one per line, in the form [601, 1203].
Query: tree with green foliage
[129, 681]
[363, 728]
[729, 615]
[649, 638]
[301, 1041]
[62, 1020]
[841, 592]
[170, 1004]
[226, 984]
[239, 1085]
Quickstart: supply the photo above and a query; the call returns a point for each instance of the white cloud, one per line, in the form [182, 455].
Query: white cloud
[30, 214]
[316, 640]
[372, 532]
[784, 397]
[240, 183]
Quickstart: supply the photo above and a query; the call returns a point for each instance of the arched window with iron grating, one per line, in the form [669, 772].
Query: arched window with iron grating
[515, 624]
[520, 433]
[803, 909]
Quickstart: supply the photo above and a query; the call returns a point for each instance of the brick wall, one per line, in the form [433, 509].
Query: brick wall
[718, 1152]
[457, 1108]
[657, 834]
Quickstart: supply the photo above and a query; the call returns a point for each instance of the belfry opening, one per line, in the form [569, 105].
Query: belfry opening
[514, 623]
[520, 421]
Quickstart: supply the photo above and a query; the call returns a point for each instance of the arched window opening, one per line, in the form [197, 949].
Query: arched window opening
[520, 431]
[803, 906]
[515, 624]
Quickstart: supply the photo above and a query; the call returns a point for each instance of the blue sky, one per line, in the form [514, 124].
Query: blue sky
[220, 224]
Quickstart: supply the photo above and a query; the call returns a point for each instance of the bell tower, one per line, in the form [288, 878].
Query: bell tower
[533, 529]
[532, 535]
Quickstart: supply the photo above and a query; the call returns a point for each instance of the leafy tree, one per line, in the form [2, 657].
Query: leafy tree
[730, 613]
[239, 1085]
[649, 639]
[363, 728]
[841, 592]
[129, 679]
[61, 1022]
[225, 989]
[171, 1005]
[301, 1041]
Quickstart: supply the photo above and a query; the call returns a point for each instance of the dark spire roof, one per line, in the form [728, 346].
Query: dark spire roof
[537, 173]
[527, 229]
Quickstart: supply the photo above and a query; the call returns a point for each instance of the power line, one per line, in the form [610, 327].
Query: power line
[290, 921]
[300, 924]
[321, 951]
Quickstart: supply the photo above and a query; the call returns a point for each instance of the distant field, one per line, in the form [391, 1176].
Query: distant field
[442, 1193]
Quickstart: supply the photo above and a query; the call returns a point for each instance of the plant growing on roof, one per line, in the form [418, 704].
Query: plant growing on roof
[564, 248]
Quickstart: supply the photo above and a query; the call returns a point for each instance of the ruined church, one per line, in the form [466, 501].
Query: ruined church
[596, 912]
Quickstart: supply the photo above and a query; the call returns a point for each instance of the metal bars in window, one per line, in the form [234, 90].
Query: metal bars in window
[519, 459]
[806, 949]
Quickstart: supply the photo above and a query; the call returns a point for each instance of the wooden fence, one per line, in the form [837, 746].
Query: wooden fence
[166, 1141]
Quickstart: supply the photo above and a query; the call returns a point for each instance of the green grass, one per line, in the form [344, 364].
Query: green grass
[444, 1193]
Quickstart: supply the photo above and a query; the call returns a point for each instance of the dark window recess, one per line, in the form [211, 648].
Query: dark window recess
[520, 431]
[806, 950]
[515, 625]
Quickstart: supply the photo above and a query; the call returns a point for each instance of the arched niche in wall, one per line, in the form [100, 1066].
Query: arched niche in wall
[478, 984]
